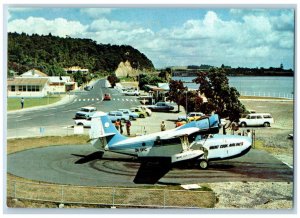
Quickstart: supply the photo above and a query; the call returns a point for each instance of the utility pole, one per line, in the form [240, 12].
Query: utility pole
[186, 108]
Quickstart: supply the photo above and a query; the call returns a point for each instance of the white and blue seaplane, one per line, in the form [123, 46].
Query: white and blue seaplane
[196, 142]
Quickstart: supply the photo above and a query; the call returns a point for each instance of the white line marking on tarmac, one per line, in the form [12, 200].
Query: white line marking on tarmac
[47, 115]
[97, 99]
[122, 99]
[127, 99]
[69, 111]
[79, 99]
[24, 119]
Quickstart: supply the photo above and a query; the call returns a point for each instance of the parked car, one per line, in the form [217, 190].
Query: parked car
[139, 111]
[161, 106]
[257, 119]
[114, 115]
[191, 116]
[106, 97]
[147, 110]
[83, 122]
[85, 112]
[131, 92]
[132, 115]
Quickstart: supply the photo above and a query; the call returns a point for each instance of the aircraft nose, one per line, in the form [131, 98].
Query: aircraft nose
[248, 141]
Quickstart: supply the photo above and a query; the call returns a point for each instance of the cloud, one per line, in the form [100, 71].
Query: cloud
[96, 12]
[105, 24]
[250, 40]
[59, 26]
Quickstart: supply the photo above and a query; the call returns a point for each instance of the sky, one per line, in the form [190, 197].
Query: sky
[173, 35]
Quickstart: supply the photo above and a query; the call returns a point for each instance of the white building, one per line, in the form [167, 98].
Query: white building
[27, 87]
[61, 84]
[35, 83]
[74, 69]
[57, 84]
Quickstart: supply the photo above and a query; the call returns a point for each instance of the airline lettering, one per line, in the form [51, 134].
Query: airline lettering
[226, 145]
[141, 149]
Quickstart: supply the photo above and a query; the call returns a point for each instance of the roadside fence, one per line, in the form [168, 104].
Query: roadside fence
[40, 131]
[268, 94]
[111, 196]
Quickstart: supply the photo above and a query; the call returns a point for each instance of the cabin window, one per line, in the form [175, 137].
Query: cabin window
[143, 144]
[13, 88]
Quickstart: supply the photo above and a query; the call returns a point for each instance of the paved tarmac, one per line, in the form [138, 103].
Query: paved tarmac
[70, 164]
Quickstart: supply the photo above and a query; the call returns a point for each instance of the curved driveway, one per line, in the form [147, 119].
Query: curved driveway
[62, 115]
[69, 165]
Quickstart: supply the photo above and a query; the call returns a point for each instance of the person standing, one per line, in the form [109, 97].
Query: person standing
[162, 126]
[121, 127]
[128, 125]
[117, 124]
[22, 103]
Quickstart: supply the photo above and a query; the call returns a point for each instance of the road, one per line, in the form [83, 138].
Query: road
[73, 164]
[62, 115]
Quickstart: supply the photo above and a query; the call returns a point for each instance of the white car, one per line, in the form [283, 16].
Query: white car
[83, 122]
[262, 119]
[131, 92]
[85, 112]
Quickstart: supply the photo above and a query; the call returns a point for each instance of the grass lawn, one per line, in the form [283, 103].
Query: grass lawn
[15, 103]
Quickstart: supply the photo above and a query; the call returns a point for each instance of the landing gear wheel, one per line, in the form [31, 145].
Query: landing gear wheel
[203, 164]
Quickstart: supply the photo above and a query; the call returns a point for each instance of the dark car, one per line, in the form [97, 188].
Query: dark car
[107, 97]
[160, 106]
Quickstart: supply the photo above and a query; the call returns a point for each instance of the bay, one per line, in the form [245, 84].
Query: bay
[271, 86]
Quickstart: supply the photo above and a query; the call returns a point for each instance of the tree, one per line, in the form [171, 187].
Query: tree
[221, 98]
[190, 100]
[147, 79]
[113, 79]
[176, 90]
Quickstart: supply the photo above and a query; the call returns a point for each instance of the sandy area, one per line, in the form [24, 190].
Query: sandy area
[264, 195]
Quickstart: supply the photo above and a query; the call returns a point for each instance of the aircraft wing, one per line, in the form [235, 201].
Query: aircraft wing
[180, 132]
[152, 169]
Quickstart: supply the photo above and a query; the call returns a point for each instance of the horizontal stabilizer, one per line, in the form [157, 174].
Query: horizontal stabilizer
[101, 136]
[152, 170]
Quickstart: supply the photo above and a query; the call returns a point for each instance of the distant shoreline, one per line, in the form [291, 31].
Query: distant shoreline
[242, 75]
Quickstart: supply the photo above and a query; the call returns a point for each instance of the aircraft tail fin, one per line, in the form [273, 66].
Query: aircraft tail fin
[103, 132]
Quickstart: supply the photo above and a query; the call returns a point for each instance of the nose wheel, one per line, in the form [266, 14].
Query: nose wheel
[203, 164]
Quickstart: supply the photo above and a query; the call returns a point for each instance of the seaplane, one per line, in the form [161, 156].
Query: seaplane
[196, 142]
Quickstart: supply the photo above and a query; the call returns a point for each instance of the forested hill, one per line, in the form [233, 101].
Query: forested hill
[51, 54]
